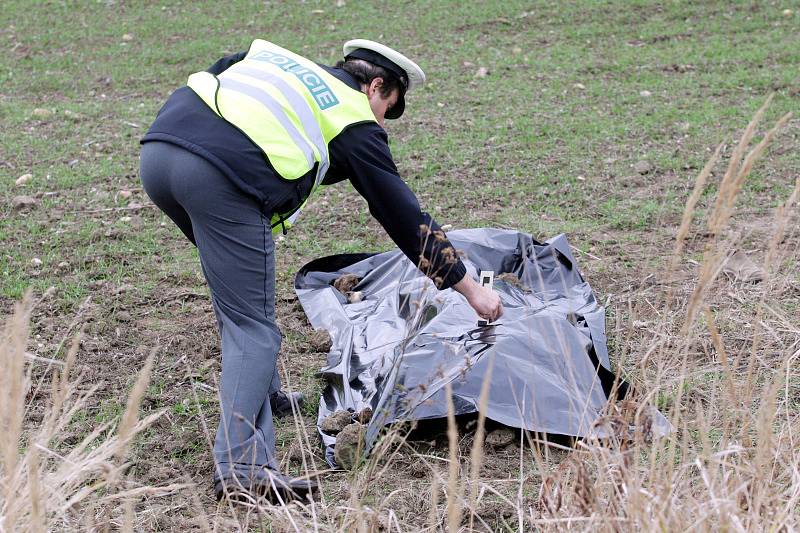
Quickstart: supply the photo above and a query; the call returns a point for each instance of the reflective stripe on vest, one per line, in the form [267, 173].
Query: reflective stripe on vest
[288, 106]
[275, 108]
[301, 108]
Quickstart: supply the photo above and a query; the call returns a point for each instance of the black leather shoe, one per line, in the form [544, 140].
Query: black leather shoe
[236, 488]
[281, 403]
[289, 488]
[263, 483]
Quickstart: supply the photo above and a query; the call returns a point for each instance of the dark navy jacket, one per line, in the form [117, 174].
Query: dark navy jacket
[360, 153]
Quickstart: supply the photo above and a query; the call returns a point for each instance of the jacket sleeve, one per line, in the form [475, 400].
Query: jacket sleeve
[366, 159]
[220, 66]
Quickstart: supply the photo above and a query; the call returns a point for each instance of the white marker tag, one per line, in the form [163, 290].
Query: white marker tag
[486, 279]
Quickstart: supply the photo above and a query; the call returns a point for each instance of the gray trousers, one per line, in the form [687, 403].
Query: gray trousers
[237, 255]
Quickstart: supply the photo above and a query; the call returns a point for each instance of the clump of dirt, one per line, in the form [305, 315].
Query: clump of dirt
[500, 438]
[320, 341]
[336, 422]
[643, 167]
[22, 203]
[349, 446]
[295, 452]
[364, 416]
[346, 283]
[513, 280]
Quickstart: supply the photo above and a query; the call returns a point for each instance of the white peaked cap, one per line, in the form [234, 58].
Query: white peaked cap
[414, 74]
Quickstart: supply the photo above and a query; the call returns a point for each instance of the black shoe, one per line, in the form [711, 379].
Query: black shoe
[281, 403]
[289, 488]
[237, 488]
[263, 483]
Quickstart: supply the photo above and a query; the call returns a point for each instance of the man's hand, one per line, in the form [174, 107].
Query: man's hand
[483, 300]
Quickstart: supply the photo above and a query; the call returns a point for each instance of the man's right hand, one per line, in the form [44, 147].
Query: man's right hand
[483, 300]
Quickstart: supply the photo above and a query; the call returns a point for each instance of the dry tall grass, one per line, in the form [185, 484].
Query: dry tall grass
[731, 463]
[46, 484]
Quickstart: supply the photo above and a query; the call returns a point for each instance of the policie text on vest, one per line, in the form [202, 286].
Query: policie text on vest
[319, 89]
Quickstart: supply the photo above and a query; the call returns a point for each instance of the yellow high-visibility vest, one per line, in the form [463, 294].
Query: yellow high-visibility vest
[288, 106]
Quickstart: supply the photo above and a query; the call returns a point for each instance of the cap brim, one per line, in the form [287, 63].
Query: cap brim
[397, 109]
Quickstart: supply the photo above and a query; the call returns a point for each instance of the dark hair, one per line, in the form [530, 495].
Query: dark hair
[365, 72]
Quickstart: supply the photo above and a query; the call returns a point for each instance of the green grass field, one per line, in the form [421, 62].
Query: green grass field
[534, 117]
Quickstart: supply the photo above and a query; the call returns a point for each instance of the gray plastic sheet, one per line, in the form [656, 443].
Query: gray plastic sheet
[396, 349]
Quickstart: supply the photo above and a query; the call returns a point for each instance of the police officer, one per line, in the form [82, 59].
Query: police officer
[232, 158]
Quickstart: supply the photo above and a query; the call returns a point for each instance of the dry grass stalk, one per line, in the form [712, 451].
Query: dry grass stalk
[13, 385]
[476, 454]
[37, 520]
[782, 215]
[127, 516]
[747, 166]
[691, 204]
[131, 415]
[433, 511]
[454, 486]
[726, 197]
[725, 186]
[722, 353]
